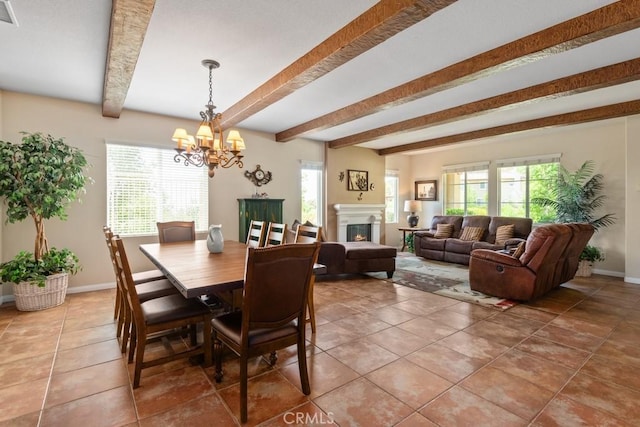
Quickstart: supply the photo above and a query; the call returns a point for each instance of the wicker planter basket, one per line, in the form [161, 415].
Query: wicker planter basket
[30, 297]
[584, 269]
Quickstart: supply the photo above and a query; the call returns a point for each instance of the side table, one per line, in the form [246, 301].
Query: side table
[404, 234]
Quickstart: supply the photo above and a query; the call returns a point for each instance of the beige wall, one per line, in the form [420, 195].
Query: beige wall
[614, 145]
[604, 142]
[83, 126]
[354, 158]
[632, 232]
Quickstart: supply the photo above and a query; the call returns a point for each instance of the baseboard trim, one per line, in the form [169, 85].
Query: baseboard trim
[608, 272]
[70, 290]
[634, 280]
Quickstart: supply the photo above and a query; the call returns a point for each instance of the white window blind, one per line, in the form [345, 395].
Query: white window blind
[526, 161]
[145, 185]
[467, 167]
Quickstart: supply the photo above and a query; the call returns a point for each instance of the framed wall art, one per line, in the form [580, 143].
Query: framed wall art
[357, 180]
[427, 190]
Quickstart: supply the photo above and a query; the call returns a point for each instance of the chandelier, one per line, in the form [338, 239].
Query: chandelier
[207, 148]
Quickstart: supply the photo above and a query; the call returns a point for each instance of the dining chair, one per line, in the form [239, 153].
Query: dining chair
[308, 234]
[276, 234]
[150, 284]
[176, 231]
[255, 234]
[273, 311]
[161, 315]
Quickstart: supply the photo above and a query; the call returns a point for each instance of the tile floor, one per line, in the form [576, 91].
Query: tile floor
[382, 355]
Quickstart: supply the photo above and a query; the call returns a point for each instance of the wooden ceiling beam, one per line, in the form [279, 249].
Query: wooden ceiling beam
[607, 21]
[385, 19]
[599, 78]
[577, 117]
[129, 22]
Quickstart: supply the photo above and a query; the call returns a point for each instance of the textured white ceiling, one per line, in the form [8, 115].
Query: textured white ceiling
[59, 50]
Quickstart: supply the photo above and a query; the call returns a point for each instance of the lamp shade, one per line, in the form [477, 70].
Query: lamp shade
[412, 206]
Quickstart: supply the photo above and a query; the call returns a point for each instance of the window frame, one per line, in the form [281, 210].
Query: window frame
[465, 169]
[160, 166]
[393, 175]
[319, 167]
[526, 162]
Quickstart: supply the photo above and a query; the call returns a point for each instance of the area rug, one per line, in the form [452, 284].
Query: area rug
[441, 278]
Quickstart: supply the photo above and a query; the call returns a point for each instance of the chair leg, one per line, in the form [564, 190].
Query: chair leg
[273, 358]
[311, 308]
[193, 334]
[243, 388]
[302, 364]
[206, 342]
[121, 315]
[126, 326]
[116, 308]
[217, 357]
[141, 342]
[133, 343]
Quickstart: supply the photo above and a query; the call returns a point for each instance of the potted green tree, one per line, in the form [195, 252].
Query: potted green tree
[39, 178]
[576, 197]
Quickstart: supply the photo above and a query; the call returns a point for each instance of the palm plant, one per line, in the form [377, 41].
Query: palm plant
[576, 197]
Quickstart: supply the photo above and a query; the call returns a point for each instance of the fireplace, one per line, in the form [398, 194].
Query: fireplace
[369, 215]
[358, 232]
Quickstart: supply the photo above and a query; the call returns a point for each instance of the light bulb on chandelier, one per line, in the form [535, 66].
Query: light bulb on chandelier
[207, 148]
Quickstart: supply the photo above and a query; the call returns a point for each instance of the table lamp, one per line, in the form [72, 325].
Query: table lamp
[412, 206]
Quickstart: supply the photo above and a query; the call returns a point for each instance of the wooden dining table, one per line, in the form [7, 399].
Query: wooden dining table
[194, 271]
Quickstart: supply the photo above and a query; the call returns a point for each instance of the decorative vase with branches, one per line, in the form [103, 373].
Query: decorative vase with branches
[39, 178]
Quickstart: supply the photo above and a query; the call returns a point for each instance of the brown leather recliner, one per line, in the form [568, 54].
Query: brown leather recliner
[538, 270]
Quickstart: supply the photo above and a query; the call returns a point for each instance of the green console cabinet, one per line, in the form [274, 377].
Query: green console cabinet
[268, 210]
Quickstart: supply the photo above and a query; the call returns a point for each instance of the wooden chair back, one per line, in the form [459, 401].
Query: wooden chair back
[273, 311]
[176, 231]
[308, 234]
[163, 314]
[255, 234]
[276, 234]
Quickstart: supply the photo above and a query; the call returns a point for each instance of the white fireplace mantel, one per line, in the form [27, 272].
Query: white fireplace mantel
[359, 214]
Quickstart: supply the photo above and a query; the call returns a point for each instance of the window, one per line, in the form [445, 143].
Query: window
[465, 189]
[391, 183]
[145, 185]
[311, 192]
[521, 180]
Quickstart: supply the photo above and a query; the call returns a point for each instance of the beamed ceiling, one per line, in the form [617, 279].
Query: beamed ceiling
[397, 76]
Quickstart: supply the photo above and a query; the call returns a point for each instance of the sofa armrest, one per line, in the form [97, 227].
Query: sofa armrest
[497, 257]
[332, 255]
[513, 242]
[429, 233]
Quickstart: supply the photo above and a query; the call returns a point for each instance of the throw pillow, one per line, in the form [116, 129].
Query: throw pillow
[519, 250]
[295, 224]
[472, 233]
[443, 231]
[504, 233]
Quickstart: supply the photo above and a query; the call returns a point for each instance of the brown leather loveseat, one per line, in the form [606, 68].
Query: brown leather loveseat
[550, 258]
[429, 244]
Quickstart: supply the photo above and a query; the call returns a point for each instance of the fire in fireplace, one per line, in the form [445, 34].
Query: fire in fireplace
[358, 232]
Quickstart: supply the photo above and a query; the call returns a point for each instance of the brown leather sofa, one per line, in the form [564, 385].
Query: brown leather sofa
[550, 258]
[452, 249]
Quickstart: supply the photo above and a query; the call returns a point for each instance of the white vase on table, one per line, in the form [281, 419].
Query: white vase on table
[215, 240]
